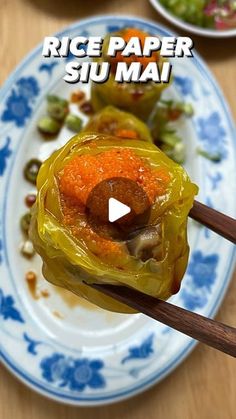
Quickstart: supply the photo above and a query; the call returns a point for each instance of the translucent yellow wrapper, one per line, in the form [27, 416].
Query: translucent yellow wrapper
[138, 98]
[111, 120]
[67, 261]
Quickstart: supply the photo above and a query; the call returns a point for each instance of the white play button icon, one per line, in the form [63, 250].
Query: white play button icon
[116, 207]
[117, 210]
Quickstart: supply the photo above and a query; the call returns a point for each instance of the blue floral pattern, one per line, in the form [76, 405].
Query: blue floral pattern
[76, 374]
[72, 57]
[17, 109]
[7, 308]
[48, 68]
[31, 344]
[185, 85]
[140, 352]
[212, 134]
[207, 231]
[0, 251]
[18, 105]
[193, 301]
[28, 87]
[202, 269]
[215, 179]
[113, 28]
[202, 273]
[5, 152]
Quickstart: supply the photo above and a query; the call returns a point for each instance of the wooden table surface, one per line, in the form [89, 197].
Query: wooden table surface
[204, 386]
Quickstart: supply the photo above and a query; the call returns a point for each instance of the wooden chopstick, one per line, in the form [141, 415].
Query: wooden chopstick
[212, 333]
[220, 223]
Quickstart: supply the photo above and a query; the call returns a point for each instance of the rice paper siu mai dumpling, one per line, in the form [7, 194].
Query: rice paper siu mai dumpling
[146, 249]
[138, 98]
[113, 121]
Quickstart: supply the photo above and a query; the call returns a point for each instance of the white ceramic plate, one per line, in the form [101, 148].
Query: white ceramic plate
[90, 356]
[212, 33]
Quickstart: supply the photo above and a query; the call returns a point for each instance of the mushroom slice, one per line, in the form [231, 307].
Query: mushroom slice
[146, 243]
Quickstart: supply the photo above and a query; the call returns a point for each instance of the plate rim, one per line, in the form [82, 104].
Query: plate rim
[73, 400]
[198, 30]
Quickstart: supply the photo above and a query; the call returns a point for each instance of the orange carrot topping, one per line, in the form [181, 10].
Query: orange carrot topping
[97, 244]
[126, 35]
[82, 173]
[126, 133]
[72, 210]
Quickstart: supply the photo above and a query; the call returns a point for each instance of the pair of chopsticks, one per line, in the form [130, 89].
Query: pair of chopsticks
[210, 332]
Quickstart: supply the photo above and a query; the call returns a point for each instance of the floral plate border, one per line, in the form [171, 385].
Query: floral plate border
[67, 378]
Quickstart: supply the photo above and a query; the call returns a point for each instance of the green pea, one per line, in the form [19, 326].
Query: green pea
[25, 223]
[48, 125]
[57, 111]
[31, 170]
[169, 138]
[57, 107]
[188, 109]
[57, 99]
[179, 153]
[176, 152]
[73, 122]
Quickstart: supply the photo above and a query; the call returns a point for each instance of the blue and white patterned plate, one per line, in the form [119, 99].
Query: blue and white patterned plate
[83, 355]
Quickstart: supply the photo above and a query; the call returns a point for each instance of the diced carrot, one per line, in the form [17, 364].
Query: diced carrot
[126, 133]
[77, 96]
